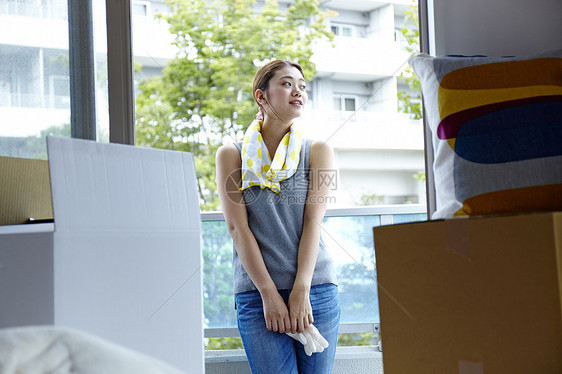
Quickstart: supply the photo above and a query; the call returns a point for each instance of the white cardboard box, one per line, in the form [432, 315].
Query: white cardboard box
[123, 258]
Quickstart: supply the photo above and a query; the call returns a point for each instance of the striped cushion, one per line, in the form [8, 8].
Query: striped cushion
[496, 127]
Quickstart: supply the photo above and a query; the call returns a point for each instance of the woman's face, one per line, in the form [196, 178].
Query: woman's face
[286, 95]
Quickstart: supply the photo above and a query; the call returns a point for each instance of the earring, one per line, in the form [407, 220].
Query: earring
[259, 115]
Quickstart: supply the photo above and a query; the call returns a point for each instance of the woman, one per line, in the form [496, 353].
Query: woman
[274, 203]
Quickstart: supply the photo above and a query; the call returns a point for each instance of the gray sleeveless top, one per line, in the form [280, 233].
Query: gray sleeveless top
[276, 220]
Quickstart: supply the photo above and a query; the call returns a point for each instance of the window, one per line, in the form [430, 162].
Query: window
[35, 74]
[398, 36]
[343, 30]
[35, 100]
[59, 93]
[140, 8]
[353, 104]
[345, 103]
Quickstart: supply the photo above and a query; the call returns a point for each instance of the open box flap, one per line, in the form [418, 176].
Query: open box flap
[100, 186]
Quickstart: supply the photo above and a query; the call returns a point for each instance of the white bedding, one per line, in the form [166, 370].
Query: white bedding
[48, 349]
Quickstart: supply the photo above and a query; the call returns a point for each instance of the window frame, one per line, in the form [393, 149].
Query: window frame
[340, 26]
[120, 72]
[82, 69]
[122, 123]
[426, 28]
[144, 3]
[342, 98]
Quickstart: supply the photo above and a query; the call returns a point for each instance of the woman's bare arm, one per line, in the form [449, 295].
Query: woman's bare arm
[321, 166]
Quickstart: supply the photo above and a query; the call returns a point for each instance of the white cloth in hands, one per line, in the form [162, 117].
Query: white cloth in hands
[312, 340]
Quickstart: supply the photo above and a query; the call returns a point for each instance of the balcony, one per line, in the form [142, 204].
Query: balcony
[359, 59]
[28, 114]
[23, 9]
[348, 234]
[365, 130]
[19, 29]
[34, 101]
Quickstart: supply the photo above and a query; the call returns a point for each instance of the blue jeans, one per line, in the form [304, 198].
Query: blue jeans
[270, 352]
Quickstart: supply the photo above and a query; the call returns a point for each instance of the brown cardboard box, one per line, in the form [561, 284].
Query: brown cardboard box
[471, 296]
[25, 191]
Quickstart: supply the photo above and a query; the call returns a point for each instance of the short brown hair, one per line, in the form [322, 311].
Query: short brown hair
[266, 72]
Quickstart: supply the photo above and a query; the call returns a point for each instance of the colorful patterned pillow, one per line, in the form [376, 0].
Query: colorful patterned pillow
[496, 127]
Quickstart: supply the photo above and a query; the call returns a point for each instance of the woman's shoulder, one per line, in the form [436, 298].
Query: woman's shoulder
[228, 152]
[320, 149]
[229, 147]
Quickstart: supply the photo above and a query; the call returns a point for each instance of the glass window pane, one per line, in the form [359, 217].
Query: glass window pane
[404, 218]
[139, 9]
[202, 91]
[350, 104]
[350, 241]
[188, 106]
[34, 85]
[34, 75]
[100, 53]
[218, 274]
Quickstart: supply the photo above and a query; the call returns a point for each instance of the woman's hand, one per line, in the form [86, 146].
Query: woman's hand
[300, 310]
[275, 312]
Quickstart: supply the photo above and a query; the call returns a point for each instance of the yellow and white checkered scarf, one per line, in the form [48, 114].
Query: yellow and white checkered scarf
[257, 167]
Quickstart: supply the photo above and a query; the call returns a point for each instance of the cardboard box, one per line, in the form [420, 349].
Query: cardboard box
[25, 191]
[122, 259]
[471, 296]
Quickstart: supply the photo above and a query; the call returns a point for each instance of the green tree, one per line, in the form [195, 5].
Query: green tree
[411, 102]
[217, 287]
[218, 291]
[204, 95]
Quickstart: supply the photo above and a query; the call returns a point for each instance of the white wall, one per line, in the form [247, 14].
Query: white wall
[384, 94]
[381, 24]
[494, 27]
[392, 187]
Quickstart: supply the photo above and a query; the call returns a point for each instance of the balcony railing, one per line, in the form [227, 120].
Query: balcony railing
[377, 129]
[34, 101]
[359, 59]
[348, 235]
[19, 8]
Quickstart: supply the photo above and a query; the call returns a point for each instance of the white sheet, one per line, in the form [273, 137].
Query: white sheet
[48, 349]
